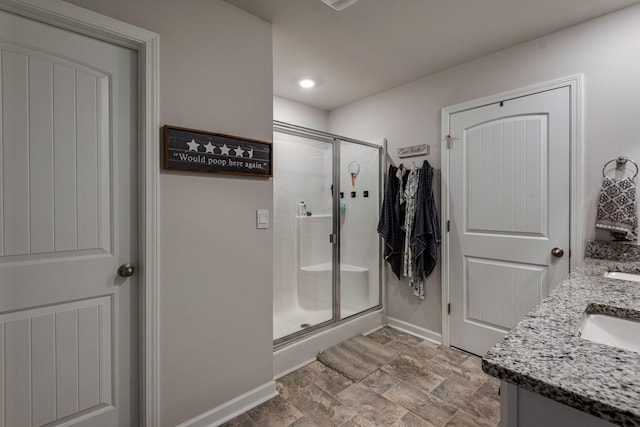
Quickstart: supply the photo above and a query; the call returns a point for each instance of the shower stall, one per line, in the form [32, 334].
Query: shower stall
[327, 192]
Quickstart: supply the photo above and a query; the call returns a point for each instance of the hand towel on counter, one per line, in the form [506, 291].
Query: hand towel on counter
[617, 207]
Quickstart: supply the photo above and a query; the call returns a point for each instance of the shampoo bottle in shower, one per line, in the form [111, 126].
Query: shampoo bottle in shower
[302, 208]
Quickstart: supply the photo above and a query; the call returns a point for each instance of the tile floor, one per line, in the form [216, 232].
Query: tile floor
[427, 385]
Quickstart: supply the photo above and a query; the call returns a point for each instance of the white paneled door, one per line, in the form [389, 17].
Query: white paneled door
[509, 209]
[68, 320]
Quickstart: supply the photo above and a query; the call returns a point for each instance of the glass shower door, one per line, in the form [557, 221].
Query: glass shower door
[325, 214]
[359, 242]
[302, 224]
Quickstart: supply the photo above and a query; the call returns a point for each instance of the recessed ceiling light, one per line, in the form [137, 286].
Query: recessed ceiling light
[306, 83]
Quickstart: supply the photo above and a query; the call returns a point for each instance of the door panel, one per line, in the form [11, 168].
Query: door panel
[64, 179]
[53, 185]
[509, 206]
[68, 219]
[507, 179]
[513, 290]
[60, 360]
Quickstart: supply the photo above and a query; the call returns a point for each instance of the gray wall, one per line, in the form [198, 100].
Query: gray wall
[300, 114]
[216, 268]
[605, 50]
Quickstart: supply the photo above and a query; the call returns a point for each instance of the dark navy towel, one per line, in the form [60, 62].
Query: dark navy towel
[389, 225]
[425, 237]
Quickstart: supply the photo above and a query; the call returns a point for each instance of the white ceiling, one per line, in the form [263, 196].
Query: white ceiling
[375, 45]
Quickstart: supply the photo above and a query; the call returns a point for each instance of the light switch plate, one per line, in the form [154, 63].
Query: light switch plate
[262, 218]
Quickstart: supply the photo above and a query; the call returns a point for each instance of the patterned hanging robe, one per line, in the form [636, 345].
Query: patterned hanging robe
[410, 195]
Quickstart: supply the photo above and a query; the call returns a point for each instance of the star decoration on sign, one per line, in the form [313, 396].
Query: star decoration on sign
[224, 150]
[239, 152]
[193, 145]
[209, 147]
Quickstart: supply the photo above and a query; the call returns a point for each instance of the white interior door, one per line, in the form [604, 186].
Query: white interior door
[68, 321]
[509, 208]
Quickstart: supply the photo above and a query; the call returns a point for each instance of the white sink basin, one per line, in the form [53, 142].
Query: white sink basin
[622, 276]
[610, 330]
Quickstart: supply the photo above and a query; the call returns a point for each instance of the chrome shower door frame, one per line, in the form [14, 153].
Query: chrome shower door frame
[335, 141]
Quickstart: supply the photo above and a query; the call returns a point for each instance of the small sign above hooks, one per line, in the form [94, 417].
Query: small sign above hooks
[413, 150]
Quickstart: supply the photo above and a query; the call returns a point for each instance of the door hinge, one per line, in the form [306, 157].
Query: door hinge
[448, 226]
[449, 308]
[333, 238]
[449, 142]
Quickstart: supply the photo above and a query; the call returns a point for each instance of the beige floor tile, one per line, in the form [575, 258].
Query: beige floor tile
[407, 369]
[430, 347]
[380, 381]
[421, 353]
[372, 406]
[427, 385]
[425, 406]
[465, 398]
[463, 419]
[240, 421]
[484, 408]
[411, 420]
[473, 363]
[358, 421]
[293, 382]
[401, 336]
[456, 373]
[453, 355]
[320, 407]
[489, 389]
[454, 393]
[494, 380]
[380, 336]
[303, 422]
[326, 378]
[275, 412]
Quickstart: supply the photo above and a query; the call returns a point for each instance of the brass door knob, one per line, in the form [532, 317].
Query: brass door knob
[126, 270]
[557, 252]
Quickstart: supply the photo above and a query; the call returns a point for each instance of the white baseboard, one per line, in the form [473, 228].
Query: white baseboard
[234, 407]
[294, 368]
[425, 334]
[377, 328]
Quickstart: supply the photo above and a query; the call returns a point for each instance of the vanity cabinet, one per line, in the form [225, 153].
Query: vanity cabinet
[522, 408]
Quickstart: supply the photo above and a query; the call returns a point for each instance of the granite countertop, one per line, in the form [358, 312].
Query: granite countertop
[544, 355]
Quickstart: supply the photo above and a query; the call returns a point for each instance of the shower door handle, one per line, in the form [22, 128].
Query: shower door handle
[333, 239]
